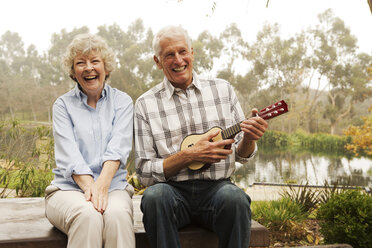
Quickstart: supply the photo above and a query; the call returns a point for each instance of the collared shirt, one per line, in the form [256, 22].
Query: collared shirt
[86, 137]
[165, 115]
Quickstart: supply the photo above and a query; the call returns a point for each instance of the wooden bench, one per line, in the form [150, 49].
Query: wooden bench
[23, 224]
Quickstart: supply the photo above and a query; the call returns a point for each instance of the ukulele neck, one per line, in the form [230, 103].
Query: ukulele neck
[230, 132]
[267, 113]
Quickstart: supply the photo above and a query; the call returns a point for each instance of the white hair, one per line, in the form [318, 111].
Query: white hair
[84, 44]
[169, 31]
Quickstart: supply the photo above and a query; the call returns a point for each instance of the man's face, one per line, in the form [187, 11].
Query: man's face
[176, 60]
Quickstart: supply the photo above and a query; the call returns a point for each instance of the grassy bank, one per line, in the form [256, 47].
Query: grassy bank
[302, 141]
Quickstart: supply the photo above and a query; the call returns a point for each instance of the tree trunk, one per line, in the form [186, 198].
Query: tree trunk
[333, 127]
[49, 116]
[9, 101]
[32, 108]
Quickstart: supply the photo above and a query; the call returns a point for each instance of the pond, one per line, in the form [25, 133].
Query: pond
[300, 167]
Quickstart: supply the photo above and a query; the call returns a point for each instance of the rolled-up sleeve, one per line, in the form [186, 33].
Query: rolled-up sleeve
[149, 167]
[120, 143]
[244, 160]
[67, 154]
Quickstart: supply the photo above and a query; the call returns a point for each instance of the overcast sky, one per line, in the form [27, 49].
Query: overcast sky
[36, 20]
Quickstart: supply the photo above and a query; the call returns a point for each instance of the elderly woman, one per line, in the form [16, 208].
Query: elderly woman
[89, 199]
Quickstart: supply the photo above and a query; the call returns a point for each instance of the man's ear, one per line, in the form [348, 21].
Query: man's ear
[156, 59]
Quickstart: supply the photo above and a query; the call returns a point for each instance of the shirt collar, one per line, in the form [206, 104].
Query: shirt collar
[170, 89]
[81, 95]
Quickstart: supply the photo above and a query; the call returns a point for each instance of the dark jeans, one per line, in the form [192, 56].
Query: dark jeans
[219, 206]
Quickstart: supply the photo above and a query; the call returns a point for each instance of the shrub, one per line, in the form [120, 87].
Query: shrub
[284, 219]
[300, 140]
[31, 182]
[321, 142]
[304, 196]
[309, 198]
[27, 155]
[277, 214]
[347, 218]
[330, 190]
[274, 138]
[361, 137]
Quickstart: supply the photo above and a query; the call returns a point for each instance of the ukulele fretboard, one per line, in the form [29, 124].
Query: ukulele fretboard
[231, 131]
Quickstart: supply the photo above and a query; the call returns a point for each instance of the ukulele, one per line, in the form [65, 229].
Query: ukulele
[269, 112]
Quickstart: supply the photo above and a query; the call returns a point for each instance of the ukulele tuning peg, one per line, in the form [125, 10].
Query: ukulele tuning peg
[279, 103]
[267, 109]
[282, 109]
[275, 112]
[269, 115]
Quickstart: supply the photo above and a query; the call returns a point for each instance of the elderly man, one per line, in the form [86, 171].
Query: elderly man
[186, 106]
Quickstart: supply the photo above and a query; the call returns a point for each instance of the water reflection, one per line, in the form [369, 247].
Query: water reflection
[302, 167]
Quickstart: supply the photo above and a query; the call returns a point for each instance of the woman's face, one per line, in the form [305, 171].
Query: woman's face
[90, 73]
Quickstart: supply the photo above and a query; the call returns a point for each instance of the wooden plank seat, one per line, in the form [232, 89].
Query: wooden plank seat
[23, 224]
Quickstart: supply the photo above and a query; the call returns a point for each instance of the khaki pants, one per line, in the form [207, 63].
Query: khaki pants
[84, 226]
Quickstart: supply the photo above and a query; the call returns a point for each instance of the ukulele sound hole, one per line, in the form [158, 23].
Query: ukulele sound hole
[190, 145]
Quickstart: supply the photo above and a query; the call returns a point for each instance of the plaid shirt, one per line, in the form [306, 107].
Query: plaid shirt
[165, 115]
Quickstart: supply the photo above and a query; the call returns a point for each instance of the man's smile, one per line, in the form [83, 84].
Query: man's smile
[179, 69]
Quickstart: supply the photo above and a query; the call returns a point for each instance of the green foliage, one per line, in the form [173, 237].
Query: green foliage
[310, 198]
[369, 172]
[330, 190]
[321, 141]
[31, 182]
[277, 215]
[347, 218]
[27, 158]
[361, 138]
[27, 182]
[284, 219]
[275, 139]
[346, 75]
[300, 140]
[304, 196]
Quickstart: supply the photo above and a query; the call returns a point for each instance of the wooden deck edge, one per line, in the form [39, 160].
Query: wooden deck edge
[23, 224]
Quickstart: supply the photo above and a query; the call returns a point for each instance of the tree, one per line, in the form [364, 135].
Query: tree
[361, 136]
[269, 69]
[206, 49]
[133, 51]
[234, 47]
[337, 62]
[11, 52]
[279, 66]
[54, 73]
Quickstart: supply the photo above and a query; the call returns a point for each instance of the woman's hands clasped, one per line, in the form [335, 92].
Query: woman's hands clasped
[97, 191]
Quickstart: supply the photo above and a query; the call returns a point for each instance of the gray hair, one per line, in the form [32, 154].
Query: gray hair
[83, 44]
[169, 31]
